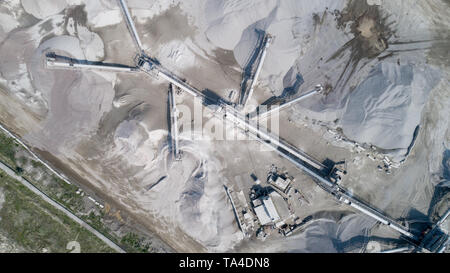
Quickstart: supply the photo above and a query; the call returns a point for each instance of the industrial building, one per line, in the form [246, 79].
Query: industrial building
[270, 203]
[280, 182]
[265, 210]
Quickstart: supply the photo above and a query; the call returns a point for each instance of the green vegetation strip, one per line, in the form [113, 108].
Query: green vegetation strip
[8, 149]
[37, 226]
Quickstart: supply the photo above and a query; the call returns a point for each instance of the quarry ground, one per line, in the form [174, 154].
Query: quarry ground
[108, 131]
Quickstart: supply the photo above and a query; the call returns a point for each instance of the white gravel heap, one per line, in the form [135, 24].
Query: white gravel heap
[386, 107]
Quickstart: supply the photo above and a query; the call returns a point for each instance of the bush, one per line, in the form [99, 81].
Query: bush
[133, 241]
[19, 170]
[7, 147]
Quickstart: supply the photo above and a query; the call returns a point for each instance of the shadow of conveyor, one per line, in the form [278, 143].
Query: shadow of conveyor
[287, 93]
[212, 98]
[249, 66]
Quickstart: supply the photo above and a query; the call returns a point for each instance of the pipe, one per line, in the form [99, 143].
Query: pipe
[397, 250]
[258, 69]
[174, 125]
[401, 230]
[172, 79]
[130, 24]
[443, 218]
[247, 125]
[367, 212]
[285, 105]
[89, 66]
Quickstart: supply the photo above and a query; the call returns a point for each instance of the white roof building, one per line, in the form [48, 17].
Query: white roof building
[266, 212]
[281, 183]
[262, 215]
[280, 204]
